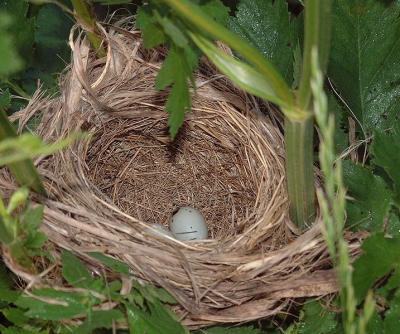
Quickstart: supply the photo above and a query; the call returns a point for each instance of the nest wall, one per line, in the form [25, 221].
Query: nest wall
[106, 190]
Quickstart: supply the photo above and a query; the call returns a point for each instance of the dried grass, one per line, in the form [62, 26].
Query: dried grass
[228, 161]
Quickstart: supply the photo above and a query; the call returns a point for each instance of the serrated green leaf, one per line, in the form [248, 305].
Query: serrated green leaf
[375, 324]
[61, 305]
[22, 38]
[393, 225]
[369, 208]
[113, 264]
[99, 319]
[340, 136]
[380, 256]
[217, 10]
[166, 75]
[392, 316]
[178, 104]
[19, 330]
[365, 59]
[33, 217]
[74, 271]
[35, 240]
[297, 64]
[386, 151]
[157, 320]
[5, 98]
[15, 315]
[51, 41]
[161, 294]
[266, 24]
[153, 34]
[316, 319]
[6, 294]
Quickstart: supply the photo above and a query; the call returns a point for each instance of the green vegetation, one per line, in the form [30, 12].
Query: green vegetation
[328, 61]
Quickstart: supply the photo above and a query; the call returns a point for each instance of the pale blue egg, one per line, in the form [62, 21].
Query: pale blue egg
[188, 224]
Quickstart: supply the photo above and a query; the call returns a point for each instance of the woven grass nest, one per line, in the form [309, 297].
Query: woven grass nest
[106, 190]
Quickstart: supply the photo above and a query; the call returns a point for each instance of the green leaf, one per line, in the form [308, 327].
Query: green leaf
[386, 151]
[166, 75]
[157, 320]
[173, 32]
[27, 146]
[15, 316]
[5, 98]
[74, 271]
[99, 319]
[178, 103]
[6, 294]
[217, 10]
[24, 171]
[113, 264]
[380, 256]
[266, 24]
[18, 198]
[375, 324]
[393, 225]
[233, 330]
[316, 319]
[392, 316]
[60, 305]
[153, 34]
[35, 240]
[341, 137]
[19, 330]
[365, 59]
[241, 74]
[10, 62]
[22, 28]
[51, 43]
[33, 217]
[368, 209]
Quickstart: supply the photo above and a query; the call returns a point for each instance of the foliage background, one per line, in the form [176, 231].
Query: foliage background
[363, 93]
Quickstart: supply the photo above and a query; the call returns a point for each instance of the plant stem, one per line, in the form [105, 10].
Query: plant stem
[299, 170]
[88, 23]
[317, 29]
[24, 171]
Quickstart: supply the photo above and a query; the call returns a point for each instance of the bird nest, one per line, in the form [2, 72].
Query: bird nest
[107, 190]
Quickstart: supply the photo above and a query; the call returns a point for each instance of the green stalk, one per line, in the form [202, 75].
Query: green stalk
[299, 133]
[299, 170]
[24, 171]
[88, 22]
[317, 29]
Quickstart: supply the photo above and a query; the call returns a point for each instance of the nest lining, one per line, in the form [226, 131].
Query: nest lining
[228, 161]
[149, 177]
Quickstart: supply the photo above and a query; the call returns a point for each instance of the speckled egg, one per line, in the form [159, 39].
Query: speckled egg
[188, 224]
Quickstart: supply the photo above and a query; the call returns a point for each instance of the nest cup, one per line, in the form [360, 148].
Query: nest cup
[107, 190]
